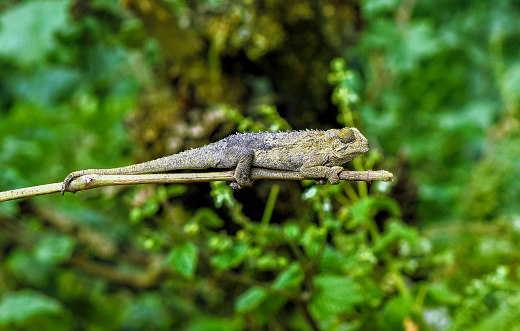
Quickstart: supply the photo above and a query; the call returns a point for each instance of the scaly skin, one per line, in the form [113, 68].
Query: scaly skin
[315, 154]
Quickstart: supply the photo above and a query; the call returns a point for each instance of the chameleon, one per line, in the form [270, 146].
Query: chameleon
[315, 154]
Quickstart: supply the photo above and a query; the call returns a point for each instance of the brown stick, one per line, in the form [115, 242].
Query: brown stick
[88, 182]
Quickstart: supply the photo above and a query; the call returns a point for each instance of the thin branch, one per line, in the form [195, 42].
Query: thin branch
[308, 317]
[88, 182]
[141, 279]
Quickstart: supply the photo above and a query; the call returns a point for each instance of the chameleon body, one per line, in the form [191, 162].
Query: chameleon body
[315, 154]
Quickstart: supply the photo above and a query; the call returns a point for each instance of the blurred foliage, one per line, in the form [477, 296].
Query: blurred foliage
[434, 85]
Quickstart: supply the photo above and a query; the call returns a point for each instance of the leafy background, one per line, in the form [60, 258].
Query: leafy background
[433, 85]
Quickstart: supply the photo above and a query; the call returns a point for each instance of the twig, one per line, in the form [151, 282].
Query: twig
[308, 317]
[88, 182]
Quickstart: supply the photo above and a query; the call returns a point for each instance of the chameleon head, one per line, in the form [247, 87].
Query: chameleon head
[346, 144]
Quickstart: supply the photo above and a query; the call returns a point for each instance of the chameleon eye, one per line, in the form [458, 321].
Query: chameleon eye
[346, 136]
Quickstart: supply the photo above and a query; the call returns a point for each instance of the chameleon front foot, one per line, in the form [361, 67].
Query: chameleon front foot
[240, 183]
[235, 186]
[322, 174]
[333, 175]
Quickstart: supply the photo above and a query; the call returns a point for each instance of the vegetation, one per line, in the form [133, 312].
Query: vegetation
[433, 85]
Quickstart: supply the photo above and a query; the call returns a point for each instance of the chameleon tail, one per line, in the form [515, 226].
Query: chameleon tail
[191, 159]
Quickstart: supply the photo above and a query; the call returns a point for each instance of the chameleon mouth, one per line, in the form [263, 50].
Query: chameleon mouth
[360, 150]
[357, 151]
[354, 155]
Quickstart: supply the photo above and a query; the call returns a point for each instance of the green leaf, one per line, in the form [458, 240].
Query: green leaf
[405, 46]
[26, 267]
[398, 232]
[145, 311]
[268, 261]
[45, 86]
[250, 299]
[505, 317]
[359, 212]
[395, 311]
[207, 218]
[230, 258]
[290, 278]
[373, 7]
[335, 295]
[291, 231]
[312, 239]
[27, 31]
[387, 204]
[54, 249]
[16, 307]
[175, 190]
[211, 324]
[8, 208]
[333, 260]
[442, 294]
[184, 259]
[269, 307]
